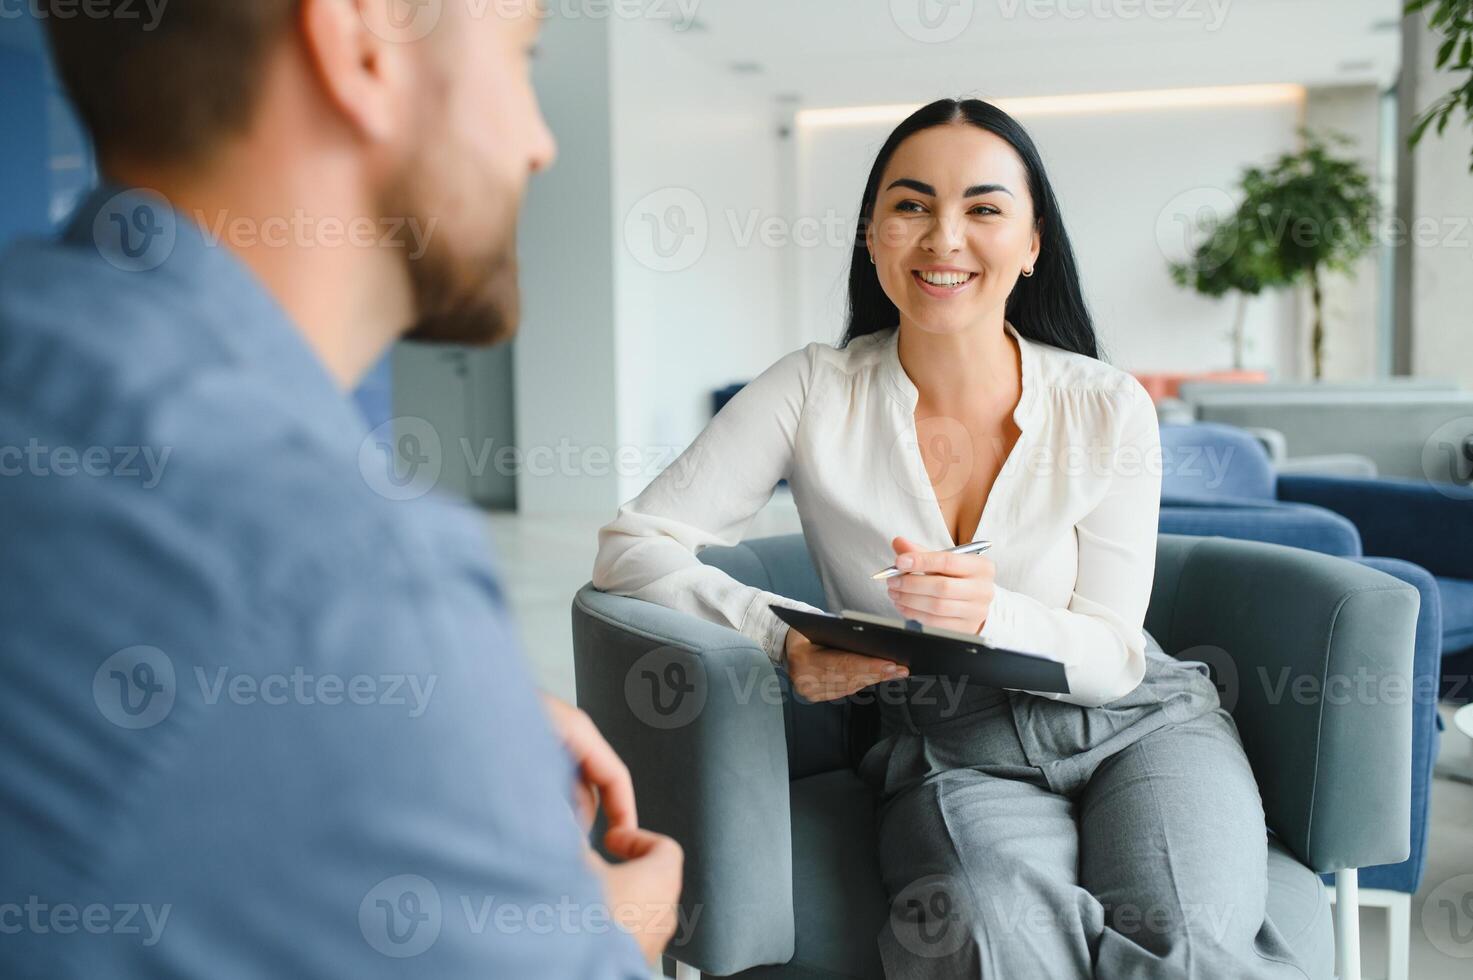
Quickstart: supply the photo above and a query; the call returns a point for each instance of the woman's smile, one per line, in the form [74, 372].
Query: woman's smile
[943, 283]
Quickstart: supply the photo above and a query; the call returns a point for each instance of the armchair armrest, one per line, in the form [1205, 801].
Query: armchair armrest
[1315, 655]
[1428, 525]
[1295, 525]
[695, 711]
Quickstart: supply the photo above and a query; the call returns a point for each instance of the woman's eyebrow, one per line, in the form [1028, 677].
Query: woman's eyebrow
[975, 190]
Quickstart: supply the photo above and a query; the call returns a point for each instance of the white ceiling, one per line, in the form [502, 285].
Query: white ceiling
[861, 52]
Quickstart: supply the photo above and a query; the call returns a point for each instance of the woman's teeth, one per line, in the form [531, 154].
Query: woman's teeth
[946, 279]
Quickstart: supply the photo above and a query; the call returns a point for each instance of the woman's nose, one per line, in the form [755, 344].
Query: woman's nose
[943, 237]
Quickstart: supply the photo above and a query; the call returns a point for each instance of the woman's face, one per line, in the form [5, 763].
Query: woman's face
[953, 227]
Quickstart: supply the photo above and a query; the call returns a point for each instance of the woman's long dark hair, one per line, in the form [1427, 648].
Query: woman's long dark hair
[1048, 306]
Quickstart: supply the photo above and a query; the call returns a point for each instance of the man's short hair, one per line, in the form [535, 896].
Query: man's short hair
[166, 89]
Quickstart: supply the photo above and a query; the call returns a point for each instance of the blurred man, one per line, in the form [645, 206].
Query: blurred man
[260, 718]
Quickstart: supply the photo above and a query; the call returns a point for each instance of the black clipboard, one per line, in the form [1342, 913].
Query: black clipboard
[928, 651]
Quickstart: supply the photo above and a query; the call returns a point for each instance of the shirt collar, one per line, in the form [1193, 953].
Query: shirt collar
[139, 232]
[1032, 381]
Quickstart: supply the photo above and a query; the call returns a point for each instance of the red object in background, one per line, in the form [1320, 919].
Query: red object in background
[1161, 385]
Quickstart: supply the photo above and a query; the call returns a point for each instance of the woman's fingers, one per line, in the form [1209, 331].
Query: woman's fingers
[942, 586]
[944, 563]
[956, 608]
[824, 674]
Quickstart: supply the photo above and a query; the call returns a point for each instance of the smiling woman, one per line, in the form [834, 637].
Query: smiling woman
[998, 223]
[968, 400]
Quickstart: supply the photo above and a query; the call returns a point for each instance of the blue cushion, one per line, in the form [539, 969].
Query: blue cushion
[1295, 525]
[1457, 614]
[1208, 459]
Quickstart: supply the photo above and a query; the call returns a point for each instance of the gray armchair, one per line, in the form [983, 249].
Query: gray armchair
[760, 789]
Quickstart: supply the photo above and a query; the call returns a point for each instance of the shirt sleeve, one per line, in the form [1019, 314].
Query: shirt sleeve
[1099, 636]
[709, 496]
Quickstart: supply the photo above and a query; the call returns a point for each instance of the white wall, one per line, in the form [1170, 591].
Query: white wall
[1122, 179]
[565, 353]
[696, 163]
[1353, 316]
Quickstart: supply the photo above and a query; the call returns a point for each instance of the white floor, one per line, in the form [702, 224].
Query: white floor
[545, 560]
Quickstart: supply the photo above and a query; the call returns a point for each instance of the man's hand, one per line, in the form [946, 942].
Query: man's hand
[644, 889]
[601, 773]
[955, 593]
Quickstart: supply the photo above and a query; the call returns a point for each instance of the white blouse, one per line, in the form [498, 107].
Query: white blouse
[1072, 514]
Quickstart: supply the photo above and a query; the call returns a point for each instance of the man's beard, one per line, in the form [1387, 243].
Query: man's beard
[475, 302]
[464, 295]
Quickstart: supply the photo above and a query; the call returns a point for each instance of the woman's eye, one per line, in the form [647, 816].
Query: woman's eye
[909, 207]
[985, 209]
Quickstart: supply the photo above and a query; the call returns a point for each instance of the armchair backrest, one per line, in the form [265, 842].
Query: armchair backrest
[1206, 460]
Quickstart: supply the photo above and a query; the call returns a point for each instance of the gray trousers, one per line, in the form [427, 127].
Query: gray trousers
[1022, 837]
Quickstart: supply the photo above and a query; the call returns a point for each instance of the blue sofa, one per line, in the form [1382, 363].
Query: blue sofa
[1218, 481]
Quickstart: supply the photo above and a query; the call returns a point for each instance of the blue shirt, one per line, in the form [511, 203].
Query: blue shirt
[263, 712]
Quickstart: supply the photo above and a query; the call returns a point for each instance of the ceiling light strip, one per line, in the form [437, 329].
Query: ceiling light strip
[1081, 104]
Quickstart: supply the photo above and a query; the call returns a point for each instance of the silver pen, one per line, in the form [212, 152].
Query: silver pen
[972, 548]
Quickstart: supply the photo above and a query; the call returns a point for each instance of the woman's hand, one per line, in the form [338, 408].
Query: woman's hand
[955, 593]
[822, 673]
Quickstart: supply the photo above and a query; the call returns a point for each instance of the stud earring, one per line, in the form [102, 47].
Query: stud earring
[1027, 273]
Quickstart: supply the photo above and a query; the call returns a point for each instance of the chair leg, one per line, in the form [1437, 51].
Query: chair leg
[1398, 906]
[1398, 936]
[684, 971]
[1347, 923]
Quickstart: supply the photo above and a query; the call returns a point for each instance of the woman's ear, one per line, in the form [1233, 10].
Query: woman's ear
[1035, 246]
[869, 239]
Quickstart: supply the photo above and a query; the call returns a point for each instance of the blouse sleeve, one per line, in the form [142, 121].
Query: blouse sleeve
[709, 496]
[1099, 636]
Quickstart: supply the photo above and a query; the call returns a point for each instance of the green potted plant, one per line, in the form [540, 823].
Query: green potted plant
[1218, 266]
[1308, 213]
[1453, 19]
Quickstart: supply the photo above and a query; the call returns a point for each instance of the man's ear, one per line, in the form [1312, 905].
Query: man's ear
[363, 73]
